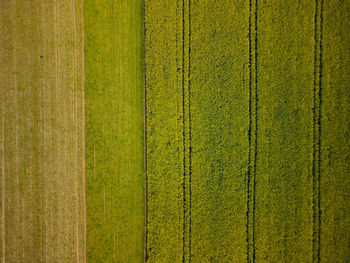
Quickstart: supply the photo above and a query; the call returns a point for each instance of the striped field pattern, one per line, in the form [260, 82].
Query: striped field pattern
[174, 131]
[72, 187]
[247, 131]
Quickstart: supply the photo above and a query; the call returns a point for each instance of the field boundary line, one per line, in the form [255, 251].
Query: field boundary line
[83, 123]
[187, 138]
[76, 132]
[183, 136]
[3, 181]
[249, 129]
[256, 123]
[145, 254]
[320, 132]
[189, 133]
[253, 128]
[3, 185]
[317, 116]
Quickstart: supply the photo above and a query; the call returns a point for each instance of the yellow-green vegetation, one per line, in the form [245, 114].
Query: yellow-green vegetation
[247, 131]
[164, 130]
[41, 138]
[335, 132]
[219, 87]
[114, 130]
[285, 171]
[196, 122]
[235, 150]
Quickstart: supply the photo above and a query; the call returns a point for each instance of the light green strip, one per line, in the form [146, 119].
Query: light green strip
[114, 130]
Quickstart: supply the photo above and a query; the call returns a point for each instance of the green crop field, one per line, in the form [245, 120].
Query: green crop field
[247, 131]
[174, 131]
[114, 130]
